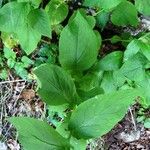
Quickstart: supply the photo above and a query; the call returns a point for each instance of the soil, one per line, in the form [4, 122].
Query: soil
[20, 99]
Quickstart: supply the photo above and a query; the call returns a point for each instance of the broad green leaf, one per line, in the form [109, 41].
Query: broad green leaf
[38, 19]
[55, 112]
[126, 38]
[147, 123]
[102, 19]
[4, 74]
[104, 4]
[131, 50]
[112, 61]
[11, 63]
[27, 61]
[115, 39]
[125, 14]
[35, 134]
[20, 70]
[9, 39]
[78, 144]
[144, 44]
[143, 6]
[119, 78]
[62, 129]
[9, 53]
[57, 11]
[35, 3]
[13, 16]
[133, 69]
[145, 49]
[90, 81]
[93, 3]
[141, 45]
[90, 19]
[104, 113]
[28, 38]
[85, 95]
[145, 85]
[76, 53]
[108, 83]
[57, 86]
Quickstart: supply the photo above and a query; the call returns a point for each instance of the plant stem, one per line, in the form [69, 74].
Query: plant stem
[133, 120]
[119, 40]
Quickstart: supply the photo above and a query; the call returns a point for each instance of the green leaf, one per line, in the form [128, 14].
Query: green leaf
[20, 70]
[108, 83]
[13, 16]
[75, 52]
[9, 39]
[112, 61]
[60, 110]
[143, 6]
[35, 3]
[63, 128]
[35, 134]
[9, 53]
[38, 19]
[119, 78]
[102, 19]
[57, 86]
[4, 74]
[133, 70]
[93, 3]
[85, 95]
[27, 62]
[104, 4]
[125, 14]
[96, 116]
[144, 45]
[78, 144]
[90, 19]
[57, 11]
[90, 81]
[132, 49]
[11, 63]
[28, 38]
[115, 39]
[140, 119]
[145, 85]
[147, 123]
[141, 45]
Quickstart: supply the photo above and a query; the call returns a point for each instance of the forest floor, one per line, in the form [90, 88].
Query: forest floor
[19, 98]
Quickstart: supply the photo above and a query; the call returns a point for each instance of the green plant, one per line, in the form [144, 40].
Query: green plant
[19, 65]
[144, 117]
[96, 91]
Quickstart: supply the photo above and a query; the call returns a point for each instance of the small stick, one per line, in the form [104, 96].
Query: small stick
[4, 82]
[133, 120]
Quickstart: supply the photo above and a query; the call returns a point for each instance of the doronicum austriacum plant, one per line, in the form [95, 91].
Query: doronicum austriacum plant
[94, 91]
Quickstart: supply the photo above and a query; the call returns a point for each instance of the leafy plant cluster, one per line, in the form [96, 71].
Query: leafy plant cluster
[21, 65]
[9, 59]
[92, 92]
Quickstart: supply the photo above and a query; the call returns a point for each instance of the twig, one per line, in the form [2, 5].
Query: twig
[133, 120]
[16, 100]
[4, 82]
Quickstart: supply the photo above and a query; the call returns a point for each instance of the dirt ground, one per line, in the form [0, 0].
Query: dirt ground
[18, 98]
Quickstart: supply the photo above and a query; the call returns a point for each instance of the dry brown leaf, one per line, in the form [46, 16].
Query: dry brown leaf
[28, 94]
